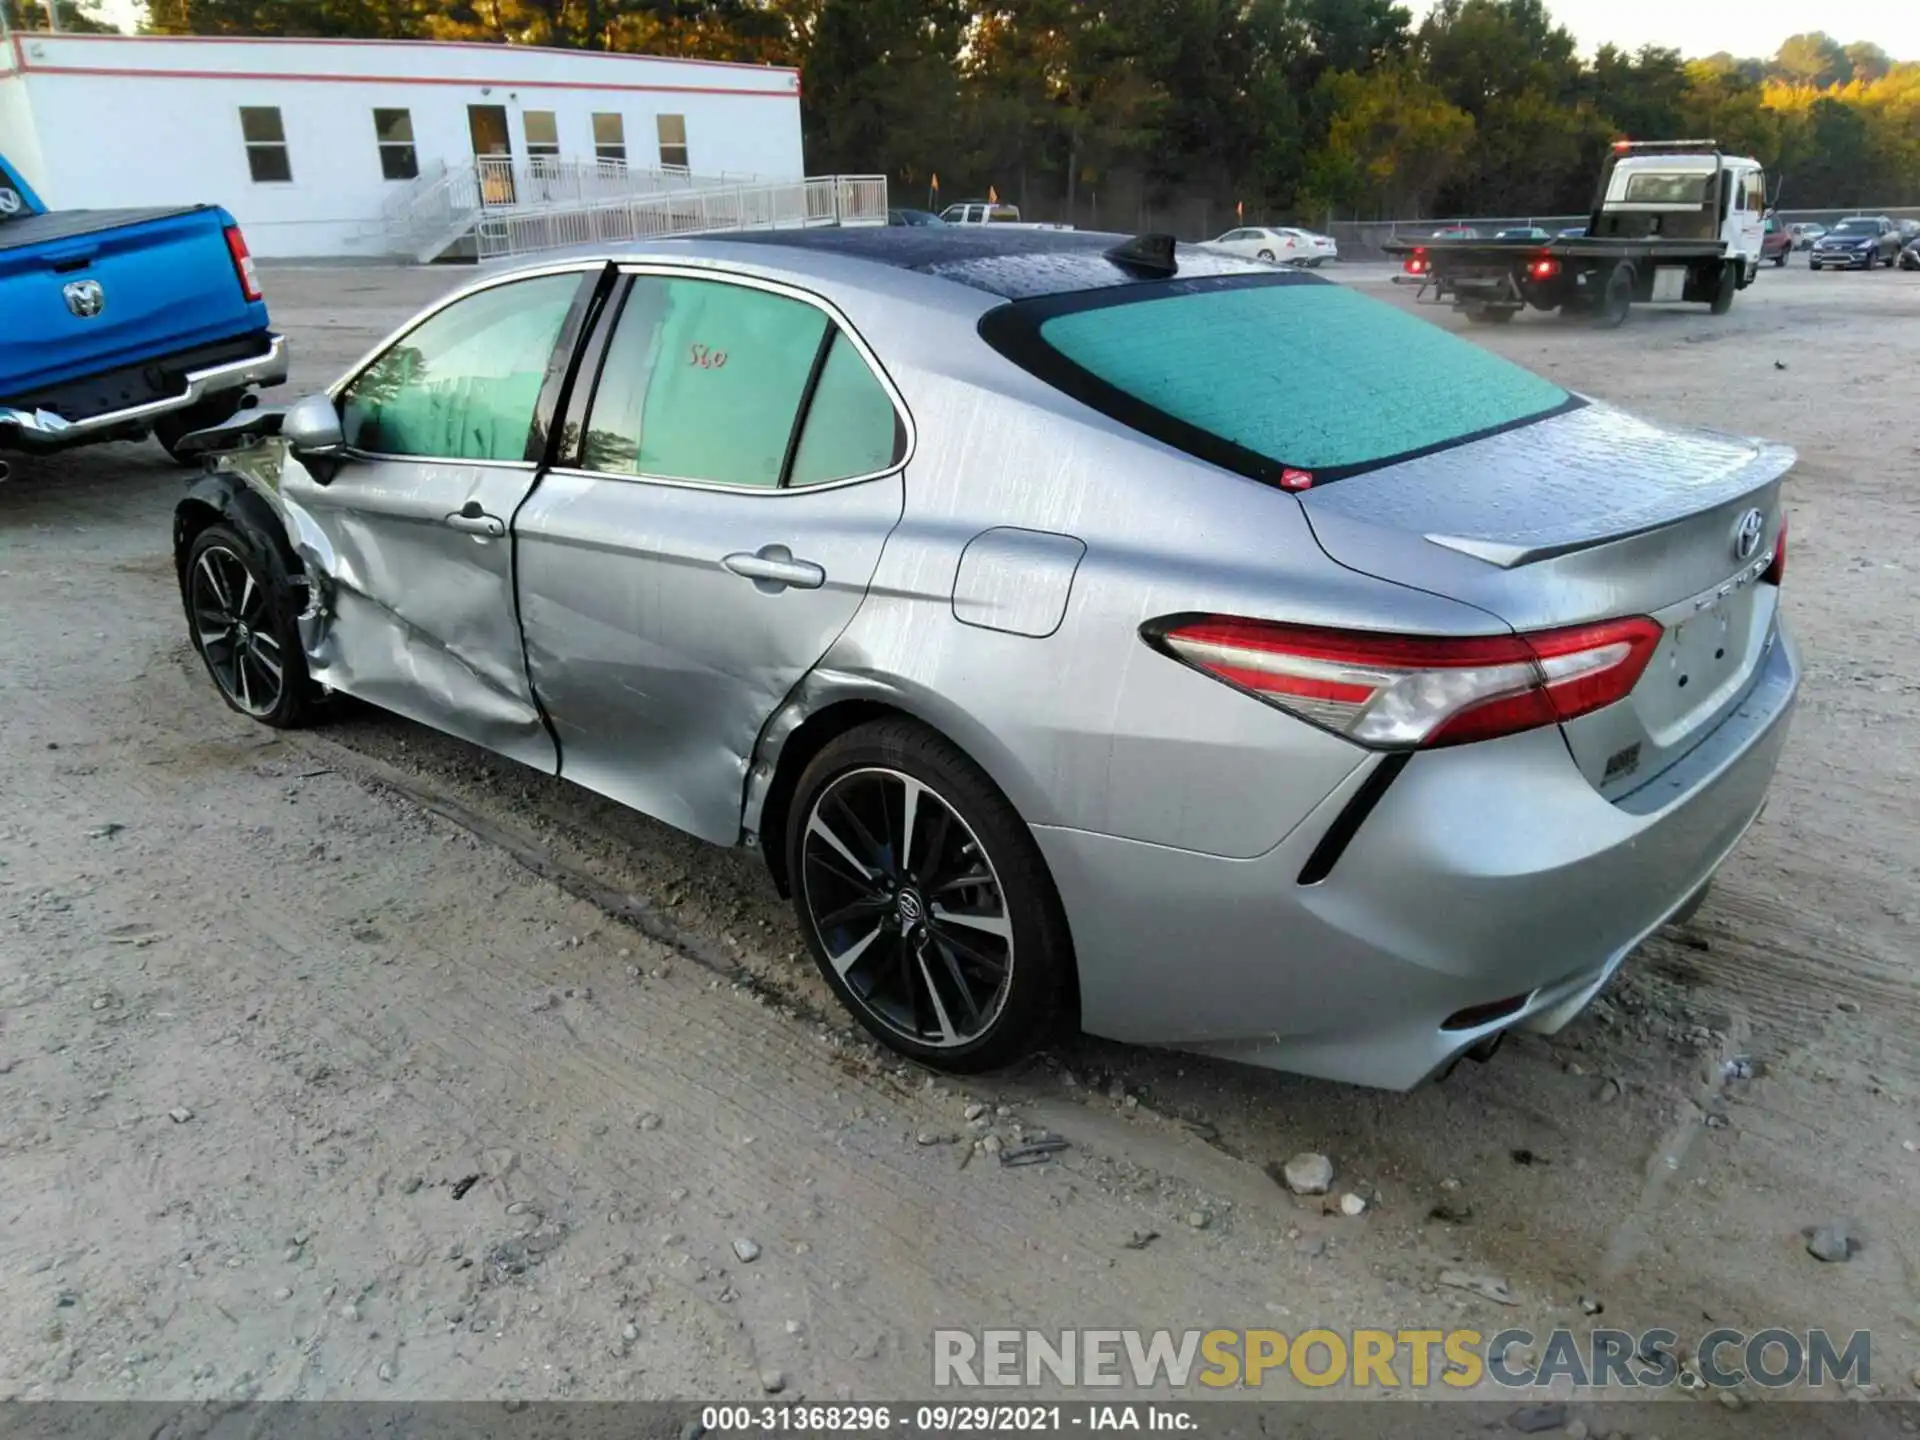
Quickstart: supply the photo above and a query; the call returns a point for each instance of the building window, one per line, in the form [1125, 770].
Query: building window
[393, 129]
[266, 143]
[610, 139]
[673, 142]
[543, 135]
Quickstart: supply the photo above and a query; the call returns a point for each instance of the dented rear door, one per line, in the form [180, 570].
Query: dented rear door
[734, 476]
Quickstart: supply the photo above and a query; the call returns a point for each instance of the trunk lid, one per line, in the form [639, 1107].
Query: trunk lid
[166, 283]
[1590, 515]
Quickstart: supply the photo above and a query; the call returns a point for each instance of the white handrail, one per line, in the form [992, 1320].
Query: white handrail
[452, 201]
[823, 200]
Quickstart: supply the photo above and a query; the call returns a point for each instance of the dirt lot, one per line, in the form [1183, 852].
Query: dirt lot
[268, 1004]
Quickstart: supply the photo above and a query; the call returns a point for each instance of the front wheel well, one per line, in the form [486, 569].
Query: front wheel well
[223, 500]
[190, 517]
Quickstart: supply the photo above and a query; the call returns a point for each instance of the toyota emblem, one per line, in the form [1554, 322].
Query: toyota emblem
[1746, 535]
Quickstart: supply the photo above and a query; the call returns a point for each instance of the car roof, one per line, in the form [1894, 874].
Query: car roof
[1012, 264]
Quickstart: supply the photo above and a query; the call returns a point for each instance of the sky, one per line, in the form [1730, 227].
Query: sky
[1745, 27]
[1694, 27]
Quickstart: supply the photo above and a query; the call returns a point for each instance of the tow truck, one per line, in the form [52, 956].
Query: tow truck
[1673, 221]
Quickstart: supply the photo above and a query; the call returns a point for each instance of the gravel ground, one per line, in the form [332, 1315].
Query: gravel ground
[358, 1063]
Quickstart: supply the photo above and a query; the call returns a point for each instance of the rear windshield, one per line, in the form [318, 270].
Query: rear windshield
[1656, 188]
[1284, 372]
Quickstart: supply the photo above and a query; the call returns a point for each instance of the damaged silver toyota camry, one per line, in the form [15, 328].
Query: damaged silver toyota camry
[1087, 631]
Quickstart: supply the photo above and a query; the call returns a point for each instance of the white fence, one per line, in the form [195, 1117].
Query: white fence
[450, 202]
[792, 204]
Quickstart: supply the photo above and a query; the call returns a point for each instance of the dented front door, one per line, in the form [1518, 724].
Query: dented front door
[412, 538]
[419, 597]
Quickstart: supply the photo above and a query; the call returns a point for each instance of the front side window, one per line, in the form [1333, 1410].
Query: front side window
[673, 142]
[463, 384]
[393, 132]
[543, 134]
[706, 381]
[266, 141]
[1271, 373]
[610, 139]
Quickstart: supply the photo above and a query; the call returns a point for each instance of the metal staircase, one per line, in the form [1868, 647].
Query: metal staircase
[505, 207]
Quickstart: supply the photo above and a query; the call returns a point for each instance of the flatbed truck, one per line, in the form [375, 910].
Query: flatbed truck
[1673, 221]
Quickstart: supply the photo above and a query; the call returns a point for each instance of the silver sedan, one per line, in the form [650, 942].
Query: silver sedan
[1086, 631]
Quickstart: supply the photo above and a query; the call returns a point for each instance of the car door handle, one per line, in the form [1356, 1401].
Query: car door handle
[773, 568]
[471, 519]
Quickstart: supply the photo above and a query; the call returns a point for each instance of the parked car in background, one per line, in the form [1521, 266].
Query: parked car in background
[913, 217]
[1315, 249]
[1910, 257]
[1805, 233]
[1457, 232]
[980, 212]
[117, 324]
[1260, 242]
[983, 212]
[1523, 232]
[1909, 230]
[1859, 242]
[1390, 727]
[1775, 243]
[1574, 232]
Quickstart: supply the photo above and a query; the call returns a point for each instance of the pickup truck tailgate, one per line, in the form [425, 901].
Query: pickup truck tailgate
[166, 282]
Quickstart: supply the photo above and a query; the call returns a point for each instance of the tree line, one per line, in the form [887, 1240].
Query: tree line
[1196, 111]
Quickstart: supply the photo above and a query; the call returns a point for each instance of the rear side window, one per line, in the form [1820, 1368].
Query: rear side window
[851, 426]
[1284, 372]
[707, 381]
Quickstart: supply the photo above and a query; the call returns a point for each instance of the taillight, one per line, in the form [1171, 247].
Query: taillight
[1777, 571]
[243, 264]
[1544, 268]
[1417, 263]
[1400, 692]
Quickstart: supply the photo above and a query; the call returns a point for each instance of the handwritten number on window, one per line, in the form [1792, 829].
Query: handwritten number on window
[706, 359]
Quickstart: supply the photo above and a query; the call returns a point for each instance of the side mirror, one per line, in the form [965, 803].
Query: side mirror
[312, 431]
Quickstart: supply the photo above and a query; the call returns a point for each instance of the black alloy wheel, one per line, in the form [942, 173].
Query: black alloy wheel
[924, 899]
[241, 620]
[908, 907]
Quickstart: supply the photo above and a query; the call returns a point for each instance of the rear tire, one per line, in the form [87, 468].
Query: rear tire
[1616, 299]
[170, 430]
[1726, 288]
[1266, 255]
[942, 936]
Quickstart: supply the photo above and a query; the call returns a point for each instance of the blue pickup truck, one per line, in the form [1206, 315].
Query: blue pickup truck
[116, 324]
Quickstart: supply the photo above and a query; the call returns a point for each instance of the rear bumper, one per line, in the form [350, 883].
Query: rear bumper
[39, 429]
[1490, 873]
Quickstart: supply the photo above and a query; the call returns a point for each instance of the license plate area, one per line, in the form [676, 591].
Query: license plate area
[1669, 283]
[1701, 665]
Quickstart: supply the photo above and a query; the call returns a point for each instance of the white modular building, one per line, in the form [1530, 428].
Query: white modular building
[321, 148]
